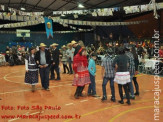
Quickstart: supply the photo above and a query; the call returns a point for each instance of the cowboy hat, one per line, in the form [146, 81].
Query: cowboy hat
[7, 52]
[63, 46]
[73, 42]
[54, 44]
[42, 45]
[69, 44]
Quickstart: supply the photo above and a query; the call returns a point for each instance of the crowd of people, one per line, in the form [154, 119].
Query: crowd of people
[119, 65]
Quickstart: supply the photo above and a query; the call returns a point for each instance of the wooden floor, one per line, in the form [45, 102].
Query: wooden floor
[19, 101]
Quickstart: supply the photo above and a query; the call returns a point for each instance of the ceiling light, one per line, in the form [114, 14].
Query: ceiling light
[80, 6]
[23, 9]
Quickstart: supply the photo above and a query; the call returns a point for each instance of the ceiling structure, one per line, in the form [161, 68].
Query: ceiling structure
[48, 6]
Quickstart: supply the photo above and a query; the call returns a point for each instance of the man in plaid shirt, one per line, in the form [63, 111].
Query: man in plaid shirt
[108, 73]
[131, 70]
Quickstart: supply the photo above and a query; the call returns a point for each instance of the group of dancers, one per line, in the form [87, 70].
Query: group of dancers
[121, 69]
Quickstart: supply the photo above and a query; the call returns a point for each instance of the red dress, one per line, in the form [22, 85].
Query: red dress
[80, 67]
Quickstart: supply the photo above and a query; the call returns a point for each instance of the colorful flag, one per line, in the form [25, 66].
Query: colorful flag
[49, 27]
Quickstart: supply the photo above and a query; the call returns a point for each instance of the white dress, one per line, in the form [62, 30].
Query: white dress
[122, 78]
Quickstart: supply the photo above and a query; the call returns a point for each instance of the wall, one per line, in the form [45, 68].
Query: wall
[37, 38]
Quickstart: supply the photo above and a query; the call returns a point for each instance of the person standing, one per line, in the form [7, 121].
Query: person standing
[131, 70]
[70, 55]
[31, 75]
[51, 64]
[76, 46]
[64, 60]
[108, 73]
[136, 60]
[81, 77]
[55, 55]
[122, 76]
[92, 73]
[43, 61]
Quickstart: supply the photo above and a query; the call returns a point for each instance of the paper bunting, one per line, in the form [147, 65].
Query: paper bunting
[144, 8]
[135, 9]
[159, 5]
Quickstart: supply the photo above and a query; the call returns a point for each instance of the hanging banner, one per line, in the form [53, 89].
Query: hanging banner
[49, 27]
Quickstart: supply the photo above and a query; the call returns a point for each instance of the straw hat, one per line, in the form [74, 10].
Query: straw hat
[7, 52]
[73, 42]
[63, 46]
[42, 45]
[69, 44]
[54, 44]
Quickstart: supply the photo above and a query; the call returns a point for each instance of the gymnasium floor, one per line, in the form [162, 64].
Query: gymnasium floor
[17, 99]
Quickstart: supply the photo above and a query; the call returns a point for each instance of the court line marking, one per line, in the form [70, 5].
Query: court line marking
[106, 108]
[83, 101]
[130, 110]
[69, 104]
[36, 89]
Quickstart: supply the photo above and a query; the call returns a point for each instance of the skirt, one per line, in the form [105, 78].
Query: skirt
[31, 77]
[122, 78]
[82, 79]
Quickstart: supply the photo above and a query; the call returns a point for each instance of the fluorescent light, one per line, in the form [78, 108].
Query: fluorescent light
[80, 6]
[23, 9]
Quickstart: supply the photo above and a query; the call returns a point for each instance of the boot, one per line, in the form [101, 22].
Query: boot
[136, 86]
[81, 90]
[121, 101]
[76, 95]
[128, 102]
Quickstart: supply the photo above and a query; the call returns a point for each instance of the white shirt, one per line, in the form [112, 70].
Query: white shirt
[70, 53]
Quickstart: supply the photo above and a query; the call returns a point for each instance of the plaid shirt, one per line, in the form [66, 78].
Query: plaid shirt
[131, 62]
[107, 63]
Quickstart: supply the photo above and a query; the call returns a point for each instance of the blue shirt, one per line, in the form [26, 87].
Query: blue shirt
[92, 67]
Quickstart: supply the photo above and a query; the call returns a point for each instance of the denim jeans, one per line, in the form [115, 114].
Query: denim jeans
[92, 86]
[105, 81]
[44, 74]
[56, 68]
[70, 65]
[131, 88]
